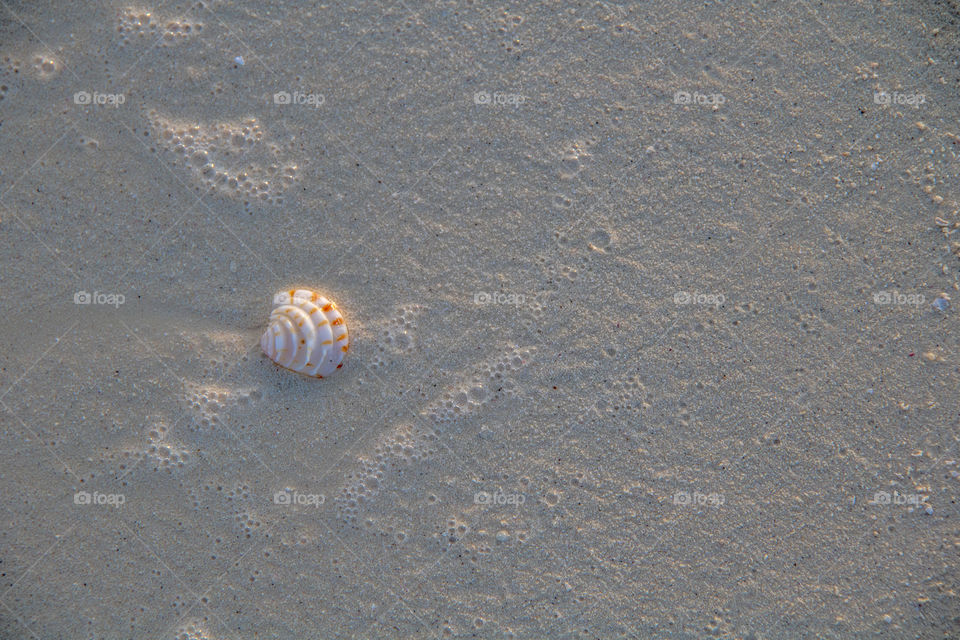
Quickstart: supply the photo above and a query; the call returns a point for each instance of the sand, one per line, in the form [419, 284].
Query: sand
[653, 310]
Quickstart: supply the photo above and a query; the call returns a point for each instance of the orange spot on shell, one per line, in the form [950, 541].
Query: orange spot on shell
[328, 307]
[337, 321]
[342, 337]
[339, 365]
[313, 298]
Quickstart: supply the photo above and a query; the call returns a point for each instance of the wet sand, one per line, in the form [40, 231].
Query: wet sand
[653, 318]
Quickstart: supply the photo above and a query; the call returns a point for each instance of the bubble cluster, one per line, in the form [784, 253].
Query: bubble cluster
[45, 66]
[247, 523]
[507, 25]
[550, 280]
[399, 448]
[208, 402]
[506, 21]
[568, 272]
[84, 143]
[456, 530]
[12, 65]
[624, 397]
[474, 545]
[532, 312]
[176, 30]
[191, 631]
[573, 159]
[397, 337]
[718, 627]
[239, 492]
[231, 158]
[164, 453]
[490, 384]
[133, 22]
[137, 23]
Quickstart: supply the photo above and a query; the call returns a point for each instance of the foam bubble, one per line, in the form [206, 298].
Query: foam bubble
[191, 631]
[232, 158]
[399, 448]
[491, 383]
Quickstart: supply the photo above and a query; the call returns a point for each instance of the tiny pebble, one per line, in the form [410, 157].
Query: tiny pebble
[502, 536]
[239, 60]
[888, 618]
[928, 510]
[942, 303]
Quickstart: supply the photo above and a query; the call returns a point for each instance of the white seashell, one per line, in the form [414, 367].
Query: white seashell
[307, 334]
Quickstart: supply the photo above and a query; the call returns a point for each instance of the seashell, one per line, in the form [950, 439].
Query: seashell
[306, 334]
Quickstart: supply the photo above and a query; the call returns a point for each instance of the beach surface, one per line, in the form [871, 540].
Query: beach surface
[652, 309]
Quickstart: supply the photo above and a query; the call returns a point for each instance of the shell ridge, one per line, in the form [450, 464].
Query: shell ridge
[306, 333]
